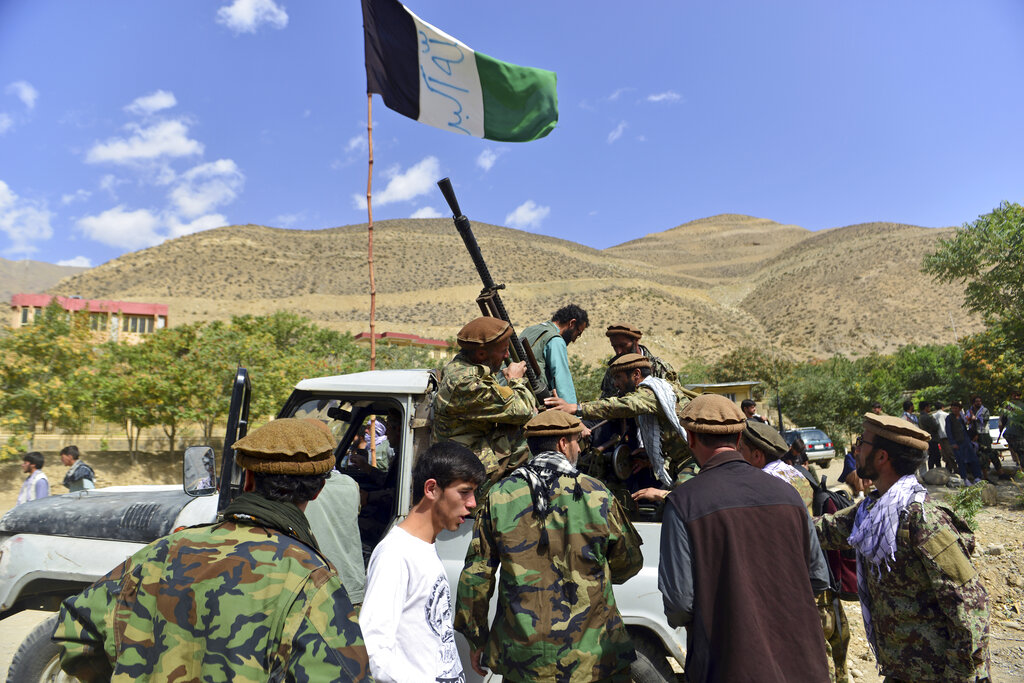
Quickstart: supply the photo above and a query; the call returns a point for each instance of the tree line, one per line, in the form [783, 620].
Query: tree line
[53, 374]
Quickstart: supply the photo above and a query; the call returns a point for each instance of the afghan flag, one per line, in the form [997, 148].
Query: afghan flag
[425, 74]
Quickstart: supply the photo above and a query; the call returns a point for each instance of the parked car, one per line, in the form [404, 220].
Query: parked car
[998, 440]
[819, 445]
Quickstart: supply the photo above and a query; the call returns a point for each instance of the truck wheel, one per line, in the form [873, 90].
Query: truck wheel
[38, 657]
[651, 665]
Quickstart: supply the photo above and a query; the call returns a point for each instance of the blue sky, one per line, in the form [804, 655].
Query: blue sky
[125, 123]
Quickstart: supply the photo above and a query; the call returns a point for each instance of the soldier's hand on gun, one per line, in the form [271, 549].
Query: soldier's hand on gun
[556, 403]
[515, 370]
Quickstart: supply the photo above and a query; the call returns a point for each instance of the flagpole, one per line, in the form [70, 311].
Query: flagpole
[369, 230]
[372, 441]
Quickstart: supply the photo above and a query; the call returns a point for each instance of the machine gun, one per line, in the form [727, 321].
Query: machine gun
[489, 300]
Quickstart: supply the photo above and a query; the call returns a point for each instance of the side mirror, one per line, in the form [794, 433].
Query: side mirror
[199, 471]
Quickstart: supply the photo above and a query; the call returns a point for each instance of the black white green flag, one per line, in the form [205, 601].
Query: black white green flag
[427, 75]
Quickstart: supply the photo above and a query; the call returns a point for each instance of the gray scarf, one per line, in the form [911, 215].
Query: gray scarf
[649, 430]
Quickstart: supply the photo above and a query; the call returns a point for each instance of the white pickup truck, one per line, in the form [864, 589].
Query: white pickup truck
[54, 547]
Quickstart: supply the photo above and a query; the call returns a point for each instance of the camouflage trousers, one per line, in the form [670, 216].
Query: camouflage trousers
[837, 635]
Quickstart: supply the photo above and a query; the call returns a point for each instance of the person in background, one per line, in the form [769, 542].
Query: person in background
[908, 412]
[749, 408]
[549, 341]
[849, 475]
[80, 477]
[36, 485]
[963, 449]
[926, 421]
[945, 448]
[876, 408]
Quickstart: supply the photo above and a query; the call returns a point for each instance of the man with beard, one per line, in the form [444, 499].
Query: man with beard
[549, 340]
[654, 403]
[472, 408]
[925, 610]
[624, 339]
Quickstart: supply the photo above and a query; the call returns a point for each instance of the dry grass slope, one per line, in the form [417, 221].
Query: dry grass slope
[30, 277]
[699, 289]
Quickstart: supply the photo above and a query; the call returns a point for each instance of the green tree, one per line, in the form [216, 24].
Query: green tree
[749, 363]
[827, 394]
[987, 256]
[120, 393]
[47, 371]
[586, 379]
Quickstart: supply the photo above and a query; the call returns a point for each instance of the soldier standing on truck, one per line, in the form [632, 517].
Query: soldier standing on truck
[250, 598]
[549, 340]
[625, 338]
[654, 403]
[472, 408]
[561, 540]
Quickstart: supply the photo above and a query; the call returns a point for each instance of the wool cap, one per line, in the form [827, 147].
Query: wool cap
[628, 362]
[712, 414]
[289, 445]
[553, 423]
[483, 331]
[765, 438]
[625, 330]
[897, 430]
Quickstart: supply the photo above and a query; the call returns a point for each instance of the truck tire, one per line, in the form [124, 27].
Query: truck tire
[38, 657]
[651, 665]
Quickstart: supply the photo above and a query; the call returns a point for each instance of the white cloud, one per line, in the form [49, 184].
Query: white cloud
[6, 122]
[426, 212]
[76, 196]
[487, 158]
[617, 133]
[207, 222]
[151, 103]
[162, 139]
[207, 186]
[618, 93]
[417, 180]
[24, 91]
[125, 229]
[527, 215]
[290, 220]
[23, 221]
[667, 96]
[109, 183]
[77, 262]
[356, 143]
[245, 16]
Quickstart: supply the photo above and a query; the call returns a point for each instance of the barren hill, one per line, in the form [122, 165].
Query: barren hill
[698, 289]
[30, 277]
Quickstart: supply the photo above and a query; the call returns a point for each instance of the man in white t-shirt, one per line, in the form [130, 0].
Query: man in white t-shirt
[406, 617]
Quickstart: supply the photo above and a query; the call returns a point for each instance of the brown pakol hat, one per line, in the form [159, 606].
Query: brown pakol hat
[629, 362]
[897, 430]
[286, 446]
[483, 331]
[624, 330]
[712, 414]
[553, 423]
[765, 438]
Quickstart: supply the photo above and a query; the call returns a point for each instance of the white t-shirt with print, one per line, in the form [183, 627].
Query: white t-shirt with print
[406, 618]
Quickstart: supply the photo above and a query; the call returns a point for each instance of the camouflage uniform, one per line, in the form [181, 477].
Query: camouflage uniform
[659, 368]
[472, 408]
[929, 610]
[230, 602]
[679, 459]
[556, 617]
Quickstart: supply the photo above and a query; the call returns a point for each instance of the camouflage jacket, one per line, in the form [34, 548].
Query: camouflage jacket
[929, 610]
[556, 617]
[679, 458]
[229, 602]
[659, 368]
[472, 408]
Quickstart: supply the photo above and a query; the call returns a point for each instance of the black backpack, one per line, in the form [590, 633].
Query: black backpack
[842, 563]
